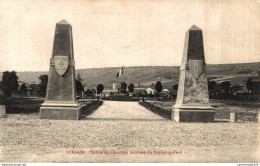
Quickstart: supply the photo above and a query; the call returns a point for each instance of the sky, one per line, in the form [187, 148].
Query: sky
[127, 32]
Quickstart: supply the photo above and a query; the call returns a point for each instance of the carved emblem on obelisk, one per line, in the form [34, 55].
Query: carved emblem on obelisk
[61, 64]
[196, 67]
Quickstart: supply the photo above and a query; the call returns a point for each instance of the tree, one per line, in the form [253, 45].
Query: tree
[1, 93]
[88, 92]
[256, 87]
[131, 88]
[1, 85]
[79, 78]
[212, 85]
[225, 86]
[158, 86]
[42, 86]
[33, 89]
[123, 87]
[100, 88]
[79, 86]
[9, 82]
[93, 91]
[252, 86]
[175, 87]
[249, 85]
[23, 89]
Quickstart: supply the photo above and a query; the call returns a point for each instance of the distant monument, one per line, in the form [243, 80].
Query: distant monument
[192, 103]
[60, 101]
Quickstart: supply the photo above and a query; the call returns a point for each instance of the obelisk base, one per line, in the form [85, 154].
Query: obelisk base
[60, 111]
[192, 113]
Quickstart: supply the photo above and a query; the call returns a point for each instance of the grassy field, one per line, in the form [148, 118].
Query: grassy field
[246, 111]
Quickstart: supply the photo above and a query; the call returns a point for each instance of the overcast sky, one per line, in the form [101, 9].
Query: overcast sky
[129, 33]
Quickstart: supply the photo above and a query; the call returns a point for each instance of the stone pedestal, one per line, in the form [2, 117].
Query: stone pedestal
[2, 111]
[192, 103]
[233, 117]
[62, 113]
[193, 113]
[60, 101]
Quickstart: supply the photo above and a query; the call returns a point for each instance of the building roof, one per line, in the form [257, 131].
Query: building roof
[150, 89]
[165, 90]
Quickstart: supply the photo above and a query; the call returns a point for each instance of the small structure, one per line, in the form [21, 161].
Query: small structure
[85, 88]
[116, 85]
[150, 91]
[108, 92]
[165, 91]
[139, 91]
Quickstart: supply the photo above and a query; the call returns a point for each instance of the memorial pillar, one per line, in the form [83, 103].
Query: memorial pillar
[192, 103]
[60, 101]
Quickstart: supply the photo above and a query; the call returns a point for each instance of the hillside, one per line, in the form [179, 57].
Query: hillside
[146, 75]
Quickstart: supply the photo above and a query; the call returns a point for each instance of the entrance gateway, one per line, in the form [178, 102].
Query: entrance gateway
[192, 103]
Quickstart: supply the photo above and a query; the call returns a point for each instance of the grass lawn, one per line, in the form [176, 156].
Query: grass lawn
[246, 111]
[29, 105]
[22, 105]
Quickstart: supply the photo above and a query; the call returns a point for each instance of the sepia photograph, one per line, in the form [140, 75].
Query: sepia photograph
[129, 81]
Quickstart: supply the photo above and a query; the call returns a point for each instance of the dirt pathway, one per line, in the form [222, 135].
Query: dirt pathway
[119, 110]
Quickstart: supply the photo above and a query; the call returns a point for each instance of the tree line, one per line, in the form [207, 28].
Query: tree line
[10, 84]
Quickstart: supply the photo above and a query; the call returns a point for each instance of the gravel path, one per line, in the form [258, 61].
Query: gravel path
[119, 110]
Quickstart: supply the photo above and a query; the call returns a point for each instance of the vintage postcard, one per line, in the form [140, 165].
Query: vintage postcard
[128, 81]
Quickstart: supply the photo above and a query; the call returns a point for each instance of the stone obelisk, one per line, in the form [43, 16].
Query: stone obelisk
[192, 103]
[60, 101]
